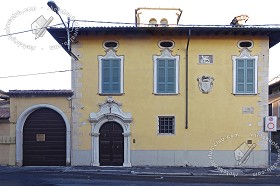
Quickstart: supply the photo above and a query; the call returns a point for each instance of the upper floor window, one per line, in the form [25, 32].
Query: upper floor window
[110, 44]
[166, 73]
[110, 73]
[245, 69]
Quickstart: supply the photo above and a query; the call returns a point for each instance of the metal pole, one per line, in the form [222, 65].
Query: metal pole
[269, 149]
[68, 34]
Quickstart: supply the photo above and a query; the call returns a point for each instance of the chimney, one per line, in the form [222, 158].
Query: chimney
[239, 20]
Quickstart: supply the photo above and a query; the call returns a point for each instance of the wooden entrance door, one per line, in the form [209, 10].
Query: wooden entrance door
[44, 139]
[111, 144]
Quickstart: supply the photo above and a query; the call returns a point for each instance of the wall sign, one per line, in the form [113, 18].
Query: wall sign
[40, 137]
[270, 124]
[205, 59]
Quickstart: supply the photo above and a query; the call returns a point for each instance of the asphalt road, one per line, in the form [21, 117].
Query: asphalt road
[64, 178]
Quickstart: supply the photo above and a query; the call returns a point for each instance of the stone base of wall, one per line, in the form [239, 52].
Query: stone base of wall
[196, 158]
[257, 159]
[81, 158]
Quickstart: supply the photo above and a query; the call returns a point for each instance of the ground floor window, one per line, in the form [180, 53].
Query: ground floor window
[166, 125]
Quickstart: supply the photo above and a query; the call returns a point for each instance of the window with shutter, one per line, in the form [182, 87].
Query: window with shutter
[245, 74]
[166, 73]
[110, 73]
[166, 80]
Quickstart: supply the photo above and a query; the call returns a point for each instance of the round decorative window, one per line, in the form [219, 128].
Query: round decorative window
[166, 44]
[245, 44]
[110, 44]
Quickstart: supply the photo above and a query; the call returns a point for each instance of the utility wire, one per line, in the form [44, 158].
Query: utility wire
[21, 32]
[40, 73]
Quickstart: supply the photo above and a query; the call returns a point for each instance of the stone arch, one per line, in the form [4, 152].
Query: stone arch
[19, 131]
[110, 111]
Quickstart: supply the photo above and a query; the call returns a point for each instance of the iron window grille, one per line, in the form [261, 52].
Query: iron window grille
[166, 124]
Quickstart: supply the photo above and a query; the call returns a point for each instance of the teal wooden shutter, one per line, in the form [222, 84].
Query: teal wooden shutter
[250, 76]
[116, 76]
[170, 76]
[160, 76]
[166, 76]
[245, 76]
[111, 76]
[105, 76]
[240, 76]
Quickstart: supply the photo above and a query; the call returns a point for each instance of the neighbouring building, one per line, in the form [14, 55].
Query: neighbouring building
[36, 128]
[274, 108]
[6, 141]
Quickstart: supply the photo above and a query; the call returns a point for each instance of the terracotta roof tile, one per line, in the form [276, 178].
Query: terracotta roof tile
[4, 103]
[39, 93]
[4, 113]
[3, 95]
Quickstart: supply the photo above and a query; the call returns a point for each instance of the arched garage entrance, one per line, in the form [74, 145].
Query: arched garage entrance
[44, 139]
[111, 144]
[35, 131]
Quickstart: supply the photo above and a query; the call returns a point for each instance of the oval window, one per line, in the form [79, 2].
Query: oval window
[245, 44]
[166, 44]
[110, 44]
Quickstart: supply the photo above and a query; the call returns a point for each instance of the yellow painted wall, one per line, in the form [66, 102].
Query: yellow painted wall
[211, 116]
[19, 104]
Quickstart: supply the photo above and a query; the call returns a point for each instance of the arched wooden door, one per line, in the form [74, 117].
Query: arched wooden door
[111, 144]
[44, 139]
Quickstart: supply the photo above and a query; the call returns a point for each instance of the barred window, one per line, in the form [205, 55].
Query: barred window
[166, 124]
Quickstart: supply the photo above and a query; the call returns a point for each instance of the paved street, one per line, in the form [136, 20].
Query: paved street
[51, 176]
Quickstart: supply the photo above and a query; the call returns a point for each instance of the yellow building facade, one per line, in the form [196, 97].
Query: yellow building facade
[170, 96]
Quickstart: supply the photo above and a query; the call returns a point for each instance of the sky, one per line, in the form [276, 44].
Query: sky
[23, 54]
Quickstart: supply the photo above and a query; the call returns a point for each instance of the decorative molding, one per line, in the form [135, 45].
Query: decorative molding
[205, 84]
[110, 110]
[245, 52]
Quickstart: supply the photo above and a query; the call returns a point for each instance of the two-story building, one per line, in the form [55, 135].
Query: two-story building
[158, 93]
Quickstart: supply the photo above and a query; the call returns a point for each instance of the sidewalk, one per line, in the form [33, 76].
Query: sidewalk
[151, 170]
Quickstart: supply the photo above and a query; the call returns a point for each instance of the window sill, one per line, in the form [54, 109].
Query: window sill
[166, 134]
[245, 94]
[110, 94]
[166, 94]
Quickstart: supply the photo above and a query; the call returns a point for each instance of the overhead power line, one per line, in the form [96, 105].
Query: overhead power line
[21, 32]
[40, 73]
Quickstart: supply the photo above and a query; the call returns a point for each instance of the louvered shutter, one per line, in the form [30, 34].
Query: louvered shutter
[166, 76]
[111, 76]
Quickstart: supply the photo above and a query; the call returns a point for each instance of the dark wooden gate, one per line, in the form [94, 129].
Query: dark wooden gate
[44, 139]
[111, 144]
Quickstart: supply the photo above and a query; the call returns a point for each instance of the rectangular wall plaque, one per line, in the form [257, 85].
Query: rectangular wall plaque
[40, 137]
[205, 59]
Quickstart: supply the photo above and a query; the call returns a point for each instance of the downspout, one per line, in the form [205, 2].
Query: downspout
[187, 79]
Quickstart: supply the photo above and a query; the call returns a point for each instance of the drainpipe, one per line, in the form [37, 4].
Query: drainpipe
[187, 79]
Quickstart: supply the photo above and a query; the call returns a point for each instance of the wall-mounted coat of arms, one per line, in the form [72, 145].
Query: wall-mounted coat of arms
[205, 84]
